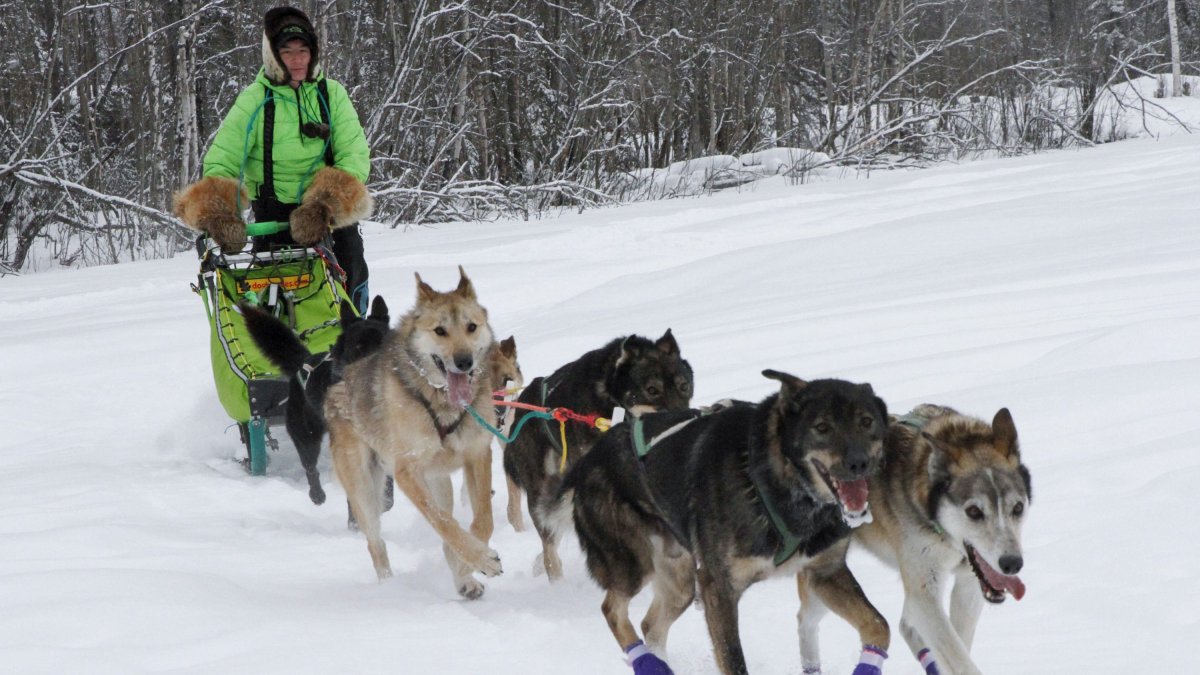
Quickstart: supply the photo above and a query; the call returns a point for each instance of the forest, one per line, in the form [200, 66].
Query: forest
[488, 109]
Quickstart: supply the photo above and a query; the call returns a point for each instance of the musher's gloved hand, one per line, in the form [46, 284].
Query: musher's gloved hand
[311, 222]
[210, 205]
[333, 199]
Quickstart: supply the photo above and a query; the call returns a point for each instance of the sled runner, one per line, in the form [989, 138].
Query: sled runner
[302, 286]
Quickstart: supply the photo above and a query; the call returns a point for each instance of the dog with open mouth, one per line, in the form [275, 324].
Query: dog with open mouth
[631, 374]
[948, 505]
[403, 411]
[719, 501]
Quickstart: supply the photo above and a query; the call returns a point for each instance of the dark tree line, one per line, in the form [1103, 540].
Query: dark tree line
[475, 108]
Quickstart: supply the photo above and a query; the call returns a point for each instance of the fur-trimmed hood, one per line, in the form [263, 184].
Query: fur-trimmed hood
[285, 23]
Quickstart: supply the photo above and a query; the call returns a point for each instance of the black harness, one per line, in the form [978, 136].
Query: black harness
[266, 204]
[442, 430]
[664, 424]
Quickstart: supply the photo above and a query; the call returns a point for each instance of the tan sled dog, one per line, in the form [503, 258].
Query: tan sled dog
[403, 411]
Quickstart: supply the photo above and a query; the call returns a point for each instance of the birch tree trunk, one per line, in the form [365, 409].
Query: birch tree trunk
[1173, 28]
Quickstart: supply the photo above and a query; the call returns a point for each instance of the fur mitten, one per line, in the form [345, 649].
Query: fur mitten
[210, 205]
[334, 199]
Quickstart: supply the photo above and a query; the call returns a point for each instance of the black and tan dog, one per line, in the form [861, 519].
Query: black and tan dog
[312, 375]
[402, 411]
[631, 373]
[727, 499]
[948, 506]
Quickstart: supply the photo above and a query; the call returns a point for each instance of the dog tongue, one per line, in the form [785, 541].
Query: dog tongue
[853, 494]
[1002, 582]
[459, 385]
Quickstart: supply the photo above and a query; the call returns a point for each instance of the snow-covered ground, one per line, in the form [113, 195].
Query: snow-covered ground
[1065, 286]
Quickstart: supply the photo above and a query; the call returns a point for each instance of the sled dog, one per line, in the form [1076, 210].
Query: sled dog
[504, 372]
[632, 373]
[312, 374]
[948, 504]
[728, 499]
[403, 411]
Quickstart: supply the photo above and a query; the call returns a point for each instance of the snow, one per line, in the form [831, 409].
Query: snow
[1063, 285]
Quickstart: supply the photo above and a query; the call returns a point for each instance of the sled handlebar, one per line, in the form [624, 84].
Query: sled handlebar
[264, 227]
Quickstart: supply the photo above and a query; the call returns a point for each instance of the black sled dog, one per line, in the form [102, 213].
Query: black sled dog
[723, 500]
[631, 373]
[312, 375]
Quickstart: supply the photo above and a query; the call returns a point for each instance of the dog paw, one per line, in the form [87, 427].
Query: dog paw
[491, 564]
[479, 558]
[651, 665]
[539, 565]
[316, 494]
[871, 662]
[471, 588]
[645, 662]
[384, 573]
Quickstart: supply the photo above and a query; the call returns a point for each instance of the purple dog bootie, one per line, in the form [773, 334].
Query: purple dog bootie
[644, 662]
[926, 658]
[871, 661]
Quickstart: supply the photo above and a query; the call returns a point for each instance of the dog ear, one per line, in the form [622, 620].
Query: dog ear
[465, 288]
[348, 313]
[791, 384]
[1004, 433]
[667, 344]
[629, 350]
[508, 347]
[425, 292]
[379, 309]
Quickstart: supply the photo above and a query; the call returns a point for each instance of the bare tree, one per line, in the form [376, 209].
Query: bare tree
[1176, 70]
[477, 109]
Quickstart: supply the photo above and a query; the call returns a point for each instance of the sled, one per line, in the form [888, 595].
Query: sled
[301, 286]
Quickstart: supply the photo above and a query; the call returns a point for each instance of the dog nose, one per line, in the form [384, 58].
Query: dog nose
[857, 463]
[1011, 564]
[463, 362]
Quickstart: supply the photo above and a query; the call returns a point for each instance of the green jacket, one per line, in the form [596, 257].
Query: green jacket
[296, 157]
